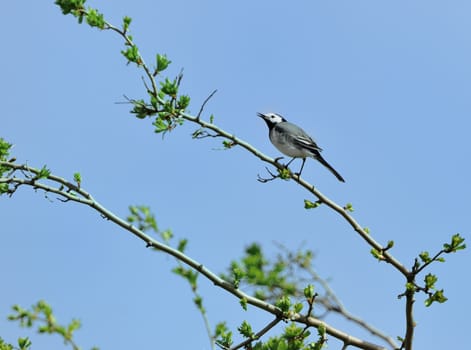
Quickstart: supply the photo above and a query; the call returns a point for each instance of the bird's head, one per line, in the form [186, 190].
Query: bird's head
[271, 118]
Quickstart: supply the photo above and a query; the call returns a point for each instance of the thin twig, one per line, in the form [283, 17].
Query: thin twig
[204, 104]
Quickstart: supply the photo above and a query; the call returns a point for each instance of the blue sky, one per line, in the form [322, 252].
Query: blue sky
[383, 87]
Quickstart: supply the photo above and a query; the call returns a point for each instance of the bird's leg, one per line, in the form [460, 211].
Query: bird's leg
[289, 162]
[302, 166]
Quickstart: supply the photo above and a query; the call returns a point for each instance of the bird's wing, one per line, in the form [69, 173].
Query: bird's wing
[306, 142]
[293, 134]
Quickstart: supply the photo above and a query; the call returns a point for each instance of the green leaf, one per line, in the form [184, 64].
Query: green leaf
[297, 307]
[183, 102]
[311, 205]
[70, 6]
[182, 245]
[227, 144]
[309, 291]
[95, 19]
[162, 63]
[198, 300]
[243, 303]
[246, 330]
[4, 149]
[126, 22]
[457, 243]
[78, 178]
[24, 343]
[284, 303]
[132, 55]
[167, 235]
[237, 275]
[284, 173]
[410, 287]
[438, 296]
[169, 87]
[4, 188]
[43, 173]
[348, 207]
[377, 254]
[425, 257]
[430, 281]
[161, 126]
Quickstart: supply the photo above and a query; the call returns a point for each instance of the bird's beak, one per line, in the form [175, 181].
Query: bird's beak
[261, 115]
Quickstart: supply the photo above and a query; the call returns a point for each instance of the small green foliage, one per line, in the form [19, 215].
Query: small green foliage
[126, 23]
[23, 344]
[438, 296]
[377, 254]
[295, 336]
[223, 335]
[309, 292]
[189, 274]
[183, 102]
[161, 125]
[169, 87]
[71, 6]
[141, 109]
[430, 281]
[284, 173]
[366, 230]
[182, 245]
[411, 287]
[4, 155]
[284, 303]
[162, 62]
[227, 144]
[321, 333]
[237, 275]
[246, 330]
[425, 257]
[95, 19]
[389, 245]
[167, 235]
[243, 303]
[78, 179]
[198, 300]
[44, 173]
[457, 243]
[348, 207]
[311, 205]
[142, 217]
[4, 149]
[297, 307]
[132, 55]
[41, 314]
[211, 119]
[4, 188]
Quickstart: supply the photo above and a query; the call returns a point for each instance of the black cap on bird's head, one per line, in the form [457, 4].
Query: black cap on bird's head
[271, 118]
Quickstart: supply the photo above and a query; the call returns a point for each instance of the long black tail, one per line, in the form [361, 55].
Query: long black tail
[328, 166]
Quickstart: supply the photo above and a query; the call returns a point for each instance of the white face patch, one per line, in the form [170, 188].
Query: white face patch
[274, 118]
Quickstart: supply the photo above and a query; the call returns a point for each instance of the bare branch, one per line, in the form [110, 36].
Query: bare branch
[204, 103]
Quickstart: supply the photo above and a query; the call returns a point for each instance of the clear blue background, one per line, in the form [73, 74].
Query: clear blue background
[383, 86]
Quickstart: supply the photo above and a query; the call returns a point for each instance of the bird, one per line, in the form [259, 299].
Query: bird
[294, 142]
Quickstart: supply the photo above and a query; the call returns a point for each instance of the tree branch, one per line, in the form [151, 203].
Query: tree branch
[71, 192]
